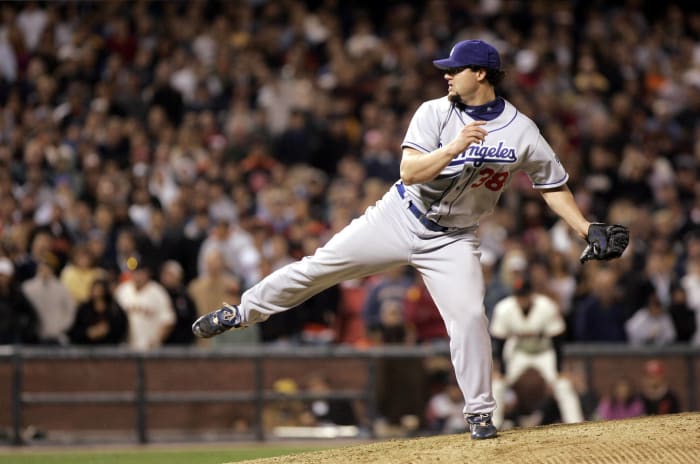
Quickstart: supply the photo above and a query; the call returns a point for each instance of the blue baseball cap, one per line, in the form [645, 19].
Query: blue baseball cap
[471, 53]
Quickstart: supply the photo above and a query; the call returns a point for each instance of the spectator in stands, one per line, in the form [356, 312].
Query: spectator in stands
[622, 402]
[215, 284]
[683, 317]
[392, 324]
[444, 410]
[691, 284]
[659, 272]
[79, 273]
[171, 276]
[19, 322]
[282, 411]
[539, 275]
[349, 326]
[423, 320]
[651, 325]
[221, 206]
[599, 318]
[126, 250]
[379, 159]
[562, 282]
[241, 258]
[657, 394]
[40, 245]
[153, 239]
[52, 301]
[500, 285]
[327, 411]
[147, 305]
[142, 205]
[495, 290]
[317, 317]
[188, 245]
[99, 320]
[384, 307]
[633, 284]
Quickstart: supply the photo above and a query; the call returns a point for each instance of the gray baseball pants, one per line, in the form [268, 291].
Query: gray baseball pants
[387, 235]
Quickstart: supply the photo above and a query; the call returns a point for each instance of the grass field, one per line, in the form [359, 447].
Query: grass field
[198, 455]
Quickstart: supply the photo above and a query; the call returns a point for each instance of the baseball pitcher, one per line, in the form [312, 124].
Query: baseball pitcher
[459, 154]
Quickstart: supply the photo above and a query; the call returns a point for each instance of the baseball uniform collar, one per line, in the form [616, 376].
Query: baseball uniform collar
[486, 112]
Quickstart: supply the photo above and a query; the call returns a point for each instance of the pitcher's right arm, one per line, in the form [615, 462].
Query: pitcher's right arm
[418, 167]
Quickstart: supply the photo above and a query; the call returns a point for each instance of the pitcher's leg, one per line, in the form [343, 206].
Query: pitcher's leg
[296, 282]
[369, 244]
[453, 276]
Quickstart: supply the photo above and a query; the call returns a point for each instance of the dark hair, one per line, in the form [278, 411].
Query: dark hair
[522, 286]
[493, 76]
[104, 283]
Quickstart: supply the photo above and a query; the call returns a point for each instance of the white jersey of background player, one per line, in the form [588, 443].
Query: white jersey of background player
[525, 327]
[458, 155]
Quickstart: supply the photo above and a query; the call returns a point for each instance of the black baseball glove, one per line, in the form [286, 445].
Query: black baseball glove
[605, 241]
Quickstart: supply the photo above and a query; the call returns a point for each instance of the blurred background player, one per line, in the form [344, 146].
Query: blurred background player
[147, 305]
[527, 330]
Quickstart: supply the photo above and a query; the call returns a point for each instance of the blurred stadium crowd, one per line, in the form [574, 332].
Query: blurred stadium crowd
[161, 157]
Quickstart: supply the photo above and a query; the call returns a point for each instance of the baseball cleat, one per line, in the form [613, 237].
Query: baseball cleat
[225, 318]
[480, 426]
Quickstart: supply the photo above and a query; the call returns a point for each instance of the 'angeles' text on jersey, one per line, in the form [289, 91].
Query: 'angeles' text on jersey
[479, 154]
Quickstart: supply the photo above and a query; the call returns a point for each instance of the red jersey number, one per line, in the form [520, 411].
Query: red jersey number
[491, 179]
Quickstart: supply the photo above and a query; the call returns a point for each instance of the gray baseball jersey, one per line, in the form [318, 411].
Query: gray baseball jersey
[469, 187]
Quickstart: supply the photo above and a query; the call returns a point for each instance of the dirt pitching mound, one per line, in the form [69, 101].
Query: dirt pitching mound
[668, 439]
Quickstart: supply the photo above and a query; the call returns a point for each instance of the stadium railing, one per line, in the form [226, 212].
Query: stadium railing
[596, 361]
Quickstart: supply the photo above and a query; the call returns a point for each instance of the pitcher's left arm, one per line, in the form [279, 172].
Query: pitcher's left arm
[561, 201]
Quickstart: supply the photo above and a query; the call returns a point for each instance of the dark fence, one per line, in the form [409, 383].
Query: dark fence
[187, 388]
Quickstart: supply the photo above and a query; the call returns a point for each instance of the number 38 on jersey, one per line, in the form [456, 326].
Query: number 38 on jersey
[490, 179]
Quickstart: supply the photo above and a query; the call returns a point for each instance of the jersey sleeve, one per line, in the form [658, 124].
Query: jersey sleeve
[423, 133]
[543, 166]
[499, 320]
[554, 324]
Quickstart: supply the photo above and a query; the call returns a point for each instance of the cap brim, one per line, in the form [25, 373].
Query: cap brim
[445, 64]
